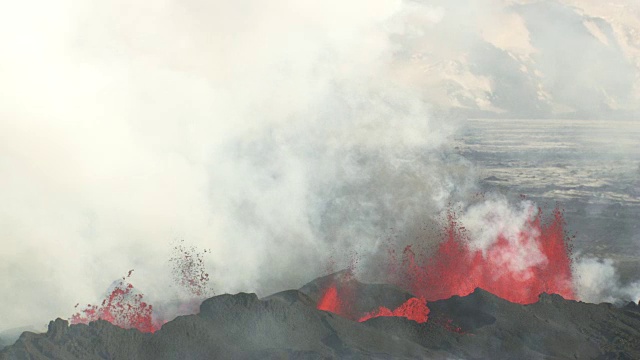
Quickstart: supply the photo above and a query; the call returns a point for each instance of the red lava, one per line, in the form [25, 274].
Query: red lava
[457, 269]
[123, 307]
[413, 309]
[189, 270]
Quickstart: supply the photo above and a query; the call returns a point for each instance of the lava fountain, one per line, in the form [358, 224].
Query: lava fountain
[516, 266]
[123, 307]
[457, 269]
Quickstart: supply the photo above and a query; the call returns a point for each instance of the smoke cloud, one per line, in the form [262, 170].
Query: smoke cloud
[597, 281]
[274, 134]
[495, 217]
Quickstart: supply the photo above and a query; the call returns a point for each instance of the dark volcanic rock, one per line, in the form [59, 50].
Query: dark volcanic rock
[361, 298]
[9, 336]
[287, 325]
[98, 340]
[484, 326]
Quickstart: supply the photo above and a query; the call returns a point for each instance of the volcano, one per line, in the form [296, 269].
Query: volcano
[289, 324]
[459, 301]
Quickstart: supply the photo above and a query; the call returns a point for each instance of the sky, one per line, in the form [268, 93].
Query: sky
[278, 135]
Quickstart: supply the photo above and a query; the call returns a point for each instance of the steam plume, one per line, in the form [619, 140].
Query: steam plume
[271, 133]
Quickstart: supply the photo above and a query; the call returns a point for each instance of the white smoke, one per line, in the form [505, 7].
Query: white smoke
[271, 133]
[597, 281]
[495, 218]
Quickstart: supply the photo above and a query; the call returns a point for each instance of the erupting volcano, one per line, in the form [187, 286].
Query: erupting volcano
[433, 308]
[123, 307]
[457, 269]
[413, 309]
[516, 266]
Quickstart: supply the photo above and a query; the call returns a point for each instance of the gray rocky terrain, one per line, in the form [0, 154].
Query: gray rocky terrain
[287, 325]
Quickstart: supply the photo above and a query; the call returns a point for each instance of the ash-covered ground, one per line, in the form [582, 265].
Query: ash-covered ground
[288, 325]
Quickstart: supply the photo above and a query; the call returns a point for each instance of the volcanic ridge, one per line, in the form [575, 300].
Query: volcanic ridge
[289, 324]
[455, 301]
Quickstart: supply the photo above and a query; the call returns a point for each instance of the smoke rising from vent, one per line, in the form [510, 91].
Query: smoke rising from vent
[270, 134]
[598, 281]
[273, 134]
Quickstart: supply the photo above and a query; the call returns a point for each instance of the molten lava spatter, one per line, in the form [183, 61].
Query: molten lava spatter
[122, 307]
[189, 270]
[413, 309]
[339, 295]
[457, 269]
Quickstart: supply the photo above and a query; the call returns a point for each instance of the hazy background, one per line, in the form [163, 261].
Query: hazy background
[279, 134]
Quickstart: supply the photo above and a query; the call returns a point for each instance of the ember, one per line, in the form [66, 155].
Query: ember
[123, 307]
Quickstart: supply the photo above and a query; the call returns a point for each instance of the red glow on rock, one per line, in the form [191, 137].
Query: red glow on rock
[330, 300]
[123, 307]
[448, 325]
[456, 269]
[413, 309]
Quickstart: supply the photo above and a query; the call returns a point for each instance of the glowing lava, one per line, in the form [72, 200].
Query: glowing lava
[123, 307]
[413, 309]
[189, 270]
[516, 266]
[457, 269]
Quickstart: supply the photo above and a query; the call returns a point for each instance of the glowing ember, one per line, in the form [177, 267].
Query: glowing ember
[330, 301]
[456, 269]
[339, 296]
[413, 309]
[189, 270]
[123, 307]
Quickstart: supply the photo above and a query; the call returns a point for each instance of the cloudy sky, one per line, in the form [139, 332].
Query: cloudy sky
[276, 134]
